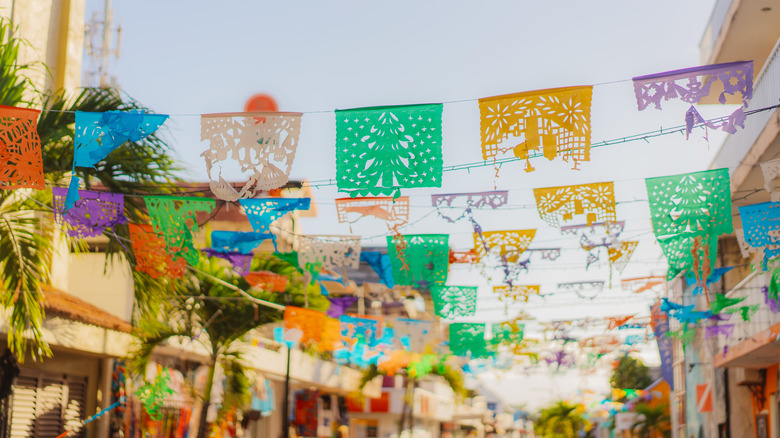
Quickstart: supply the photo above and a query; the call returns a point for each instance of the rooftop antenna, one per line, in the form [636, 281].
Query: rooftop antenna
[99, 48]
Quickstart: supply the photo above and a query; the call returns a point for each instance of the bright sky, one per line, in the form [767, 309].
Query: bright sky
[190, 57]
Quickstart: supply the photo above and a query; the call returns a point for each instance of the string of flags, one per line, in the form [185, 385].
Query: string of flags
[382, 150]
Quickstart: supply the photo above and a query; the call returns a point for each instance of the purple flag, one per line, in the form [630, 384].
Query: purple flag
[242, 263]
[685, 84]
[339, 305]
[91, 214]
[715, 330]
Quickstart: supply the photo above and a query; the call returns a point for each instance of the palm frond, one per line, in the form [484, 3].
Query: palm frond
[150, 333]
[14, 84]
[24, 270]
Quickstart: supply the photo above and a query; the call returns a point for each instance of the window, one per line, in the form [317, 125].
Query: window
[46, 404]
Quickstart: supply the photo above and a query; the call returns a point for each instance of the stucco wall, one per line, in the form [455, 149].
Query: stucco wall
[55, 32]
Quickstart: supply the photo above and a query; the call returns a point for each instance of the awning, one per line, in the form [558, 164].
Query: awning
[759, 351]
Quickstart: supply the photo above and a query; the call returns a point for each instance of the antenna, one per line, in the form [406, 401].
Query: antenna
[98, 45]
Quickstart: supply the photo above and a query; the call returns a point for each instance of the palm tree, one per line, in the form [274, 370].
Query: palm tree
[560, 421]
[630, 373]
[452, 375]
[25, 215]
[651, 421]
[206, 310]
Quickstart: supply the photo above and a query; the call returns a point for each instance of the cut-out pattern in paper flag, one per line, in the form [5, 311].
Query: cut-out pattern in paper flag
[754, 255]
[551, 123]
[636, 339]
[688, 213]
[357, 329]
[426, 257]
[242, 263]
[262, 144]
[267, 280]
[237, 241]
[687, 314]
[693, 84]
[580, 287]
[454, 301]
[550, 254]
[463, 257]
[746, 312]
[262, 212]
[394, 211]
[761, 228]
[99, 134]
[714, 277]
[641, 284]
[413, 334]
[558, 205]
[508, 245]
[771, 298]
[467, 339]
[595, 236]
[560, 359]
[614, 322]
[686, 334]
[93, 213]
[729, 125]
[21, 162]
[720, 302]
[174, 218]
[331, 252]
[381, 150]
[516, 292]
[308, 322]
[735, 77]
[771, 170]
[713, 331]
[151, 254]
[688, 253]
[620, 253]
[507, 333]
[445, 203]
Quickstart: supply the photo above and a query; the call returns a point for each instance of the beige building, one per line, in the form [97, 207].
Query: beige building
[54, 30]
[741, 371]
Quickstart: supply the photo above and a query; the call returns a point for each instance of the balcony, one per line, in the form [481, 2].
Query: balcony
[739, 30]
[758, 141]
[752, 344]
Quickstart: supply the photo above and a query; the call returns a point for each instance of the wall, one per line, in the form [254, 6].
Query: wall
[108, 286]
[55, 31]
[740, 408]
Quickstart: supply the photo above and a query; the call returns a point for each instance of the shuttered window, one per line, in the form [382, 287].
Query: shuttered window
[46, 404]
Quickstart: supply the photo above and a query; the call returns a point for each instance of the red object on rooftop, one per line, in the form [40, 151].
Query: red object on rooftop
[261, 102]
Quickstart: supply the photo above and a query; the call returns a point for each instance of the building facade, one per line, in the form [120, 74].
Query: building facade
[726, 385]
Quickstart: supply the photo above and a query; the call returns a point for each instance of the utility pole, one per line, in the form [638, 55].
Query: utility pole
[286, 403]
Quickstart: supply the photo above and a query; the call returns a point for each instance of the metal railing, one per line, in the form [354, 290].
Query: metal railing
[766, 93]
[761, 320]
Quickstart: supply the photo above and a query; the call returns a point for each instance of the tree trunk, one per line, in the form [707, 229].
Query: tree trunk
[411, 407]
[204, 411]
[404, 408]
[408, 407]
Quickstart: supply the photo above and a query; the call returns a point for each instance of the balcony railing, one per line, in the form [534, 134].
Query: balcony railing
[766, 93]
[761, 320]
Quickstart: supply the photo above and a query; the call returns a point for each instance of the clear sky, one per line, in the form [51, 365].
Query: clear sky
[190, 57]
